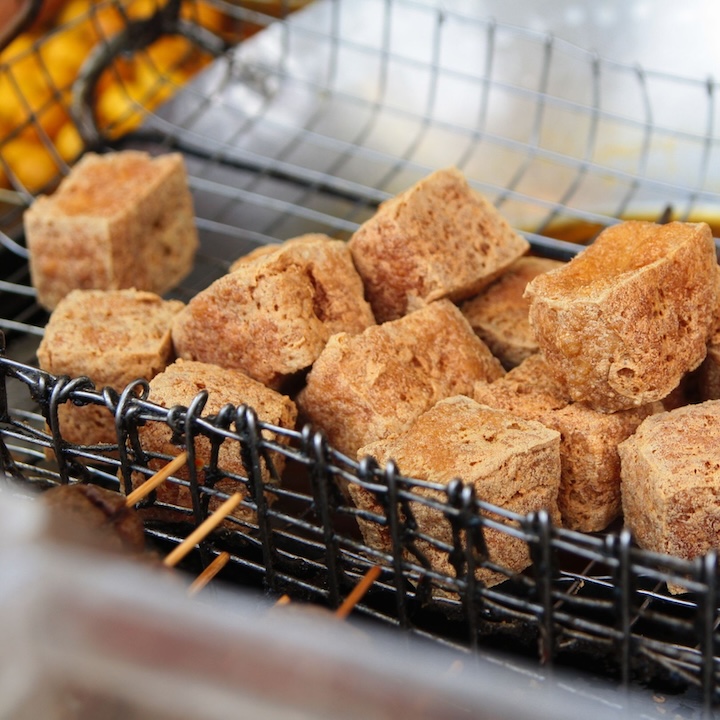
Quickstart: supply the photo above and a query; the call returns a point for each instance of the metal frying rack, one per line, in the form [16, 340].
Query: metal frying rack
[306, 127]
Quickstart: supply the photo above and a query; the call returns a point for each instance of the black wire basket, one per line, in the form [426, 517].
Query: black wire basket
[283, 135]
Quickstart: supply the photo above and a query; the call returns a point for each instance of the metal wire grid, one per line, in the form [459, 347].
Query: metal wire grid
[328, 130]
[308, 126]
[120, 37]
[281, 138]
[584, 596]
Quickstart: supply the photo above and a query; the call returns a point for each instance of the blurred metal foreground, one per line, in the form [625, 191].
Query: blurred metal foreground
[85, 635]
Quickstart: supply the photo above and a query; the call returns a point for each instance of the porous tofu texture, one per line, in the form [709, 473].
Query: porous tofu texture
[365, 387]
[118, 220]
[438, 239]
[589, 497]
[629, 316]
[179, 384]
[671, 481]
[512, 463]
[113, 337]
[272, 315]
[499, 314]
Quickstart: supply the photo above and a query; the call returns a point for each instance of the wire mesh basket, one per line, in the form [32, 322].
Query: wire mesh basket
[304, 120]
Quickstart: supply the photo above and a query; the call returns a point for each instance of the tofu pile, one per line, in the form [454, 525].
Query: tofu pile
[435, 341]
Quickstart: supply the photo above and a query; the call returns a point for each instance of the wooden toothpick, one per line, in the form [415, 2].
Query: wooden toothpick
[352, 599]
[208, 573]
[156, 480]
[358, 591]
[202, 530]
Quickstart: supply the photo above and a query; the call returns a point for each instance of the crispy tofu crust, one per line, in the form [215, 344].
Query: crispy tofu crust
[113, 337]
[512, 463]
[499, 314]
[589, 497]
[628, 317]
[179, 384]
[671, 481]
[119, 220]
[273, 314]
[438, 239]
[367, 386]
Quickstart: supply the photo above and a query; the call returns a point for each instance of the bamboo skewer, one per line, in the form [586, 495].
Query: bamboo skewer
[210, 523]
[202, 530]
[358, 591]
[208, 573]
[352, 599]
[156, 480]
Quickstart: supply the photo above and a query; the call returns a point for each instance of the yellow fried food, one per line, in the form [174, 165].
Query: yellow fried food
[30, 161]
[37, 72]
[68, 142]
